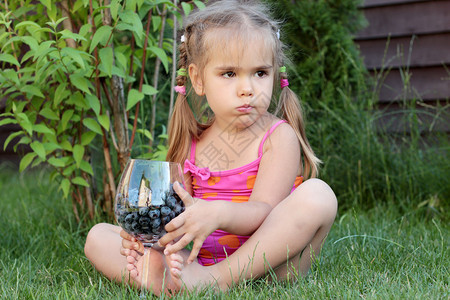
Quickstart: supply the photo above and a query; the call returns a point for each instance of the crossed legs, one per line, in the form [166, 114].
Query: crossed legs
[286, 241]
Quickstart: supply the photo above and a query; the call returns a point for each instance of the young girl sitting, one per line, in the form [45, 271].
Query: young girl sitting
[248, 207]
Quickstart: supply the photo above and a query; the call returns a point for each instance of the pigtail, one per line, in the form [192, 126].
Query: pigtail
[182, 126]
[291, 109]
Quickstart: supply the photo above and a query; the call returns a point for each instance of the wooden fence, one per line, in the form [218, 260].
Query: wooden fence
[406, 47]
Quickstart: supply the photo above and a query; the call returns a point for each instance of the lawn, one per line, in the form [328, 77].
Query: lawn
[382, 253]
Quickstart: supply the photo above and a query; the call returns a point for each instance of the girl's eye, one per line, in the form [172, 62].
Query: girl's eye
[228, 74]
[261, 74]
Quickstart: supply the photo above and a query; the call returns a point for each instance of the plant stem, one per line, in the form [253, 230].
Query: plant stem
[156, 75]
[141, 82]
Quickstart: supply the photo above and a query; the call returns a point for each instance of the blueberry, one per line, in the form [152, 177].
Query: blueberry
[135, 227]
[165, 220]
[178, 209]
[144, 221]
[157, 230]
[146, 229]
[172, 215]
[171, 202]
[129, 218]
[165, 211]
[156, 223]
[143, 211]
[127, 227]
[154, 213]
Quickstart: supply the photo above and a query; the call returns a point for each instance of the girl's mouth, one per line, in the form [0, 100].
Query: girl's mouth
[244, 108]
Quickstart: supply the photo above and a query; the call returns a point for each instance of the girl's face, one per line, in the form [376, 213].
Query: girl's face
[237, 82]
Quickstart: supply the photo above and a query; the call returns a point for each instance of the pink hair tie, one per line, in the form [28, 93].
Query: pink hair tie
[284, 83]
[181, 89]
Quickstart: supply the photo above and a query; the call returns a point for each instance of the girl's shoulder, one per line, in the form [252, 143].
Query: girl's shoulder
[280, 134]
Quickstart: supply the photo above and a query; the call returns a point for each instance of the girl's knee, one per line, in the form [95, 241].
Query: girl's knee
[316, 196]
[93, 238]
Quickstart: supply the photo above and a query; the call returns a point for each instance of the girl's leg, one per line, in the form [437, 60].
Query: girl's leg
[102, 248]
[300, 222]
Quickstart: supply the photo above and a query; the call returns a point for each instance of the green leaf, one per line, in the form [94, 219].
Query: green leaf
[133, 19]
[75, 55]
[156, 22]
[56, 162]
[94, 103]
[91, 124]
[80, 82]
[101, 36]
[134, 96]
[41, 128]
[38, 148]
[10, 137]
[67, 34]
[61, 93]
[114, 8]
[65, 186]
[79, 100]
[80, 181]
[66, 145]
[9, 59]
[49, 114]
[199, 4]
[78, 153]
[11, 75]
[149, 90]
[50, 147]
[87, 137]
[26, 160]
[46, 3]
[33, 90]
[67, 115]
[104, 121]
[7, 121]
[161, 55]
[86, 167]
[25, 123]
[106, 57]
[187, 8]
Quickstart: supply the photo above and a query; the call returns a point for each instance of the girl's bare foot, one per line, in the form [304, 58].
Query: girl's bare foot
[159, 275]
[192, 276]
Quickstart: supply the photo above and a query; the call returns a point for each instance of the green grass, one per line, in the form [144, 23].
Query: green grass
[382, 253]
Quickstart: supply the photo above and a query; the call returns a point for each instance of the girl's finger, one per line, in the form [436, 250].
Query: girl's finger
[170, 236]
[195, 250]
[181, 244]
[183, 194]
[175, 223]
[125, 235]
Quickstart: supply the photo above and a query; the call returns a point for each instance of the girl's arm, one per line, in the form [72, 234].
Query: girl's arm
[278, 169]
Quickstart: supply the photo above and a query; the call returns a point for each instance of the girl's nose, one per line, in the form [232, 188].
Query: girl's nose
[246, 88]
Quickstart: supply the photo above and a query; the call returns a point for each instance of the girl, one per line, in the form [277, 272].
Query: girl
[246, 206]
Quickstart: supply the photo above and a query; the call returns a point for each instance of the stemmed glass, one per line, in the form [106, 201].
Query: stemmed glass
[146, 202]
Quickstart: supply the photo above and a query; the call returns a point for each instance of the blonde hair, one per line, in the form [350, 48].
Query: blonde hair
[242, 19]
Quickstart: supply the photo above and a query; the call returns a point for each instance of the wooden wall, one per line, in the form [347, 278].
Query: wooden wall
[409, 41]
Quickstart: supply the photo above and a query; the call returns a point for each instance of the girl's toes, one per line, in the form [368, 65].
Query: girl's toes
[131, 260]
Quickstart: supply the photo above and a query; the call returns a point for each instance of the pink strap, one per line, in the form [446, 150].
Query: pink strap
[260, 150]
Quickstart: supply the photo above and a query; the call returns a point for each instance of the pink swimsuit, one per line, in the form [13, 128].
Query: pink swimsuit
[233, 185]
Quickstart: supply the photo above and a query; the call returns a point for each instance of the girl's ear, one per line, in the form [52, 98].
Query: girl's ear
[196, 79]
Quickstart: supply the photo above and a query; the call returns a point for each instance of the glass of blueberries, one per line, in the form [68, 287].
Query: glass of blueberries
[145, 201]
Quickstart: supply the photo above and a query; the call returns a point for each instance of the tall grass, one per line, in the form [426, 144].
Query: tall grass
[381, 253]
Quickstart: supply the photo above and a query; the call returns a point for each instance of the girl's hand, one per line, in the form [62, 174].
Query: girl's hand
[130, 244]
[196, 223]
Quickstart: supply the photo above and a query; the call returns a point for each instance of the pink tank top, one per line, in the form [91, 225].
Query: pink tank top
[233, 185]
